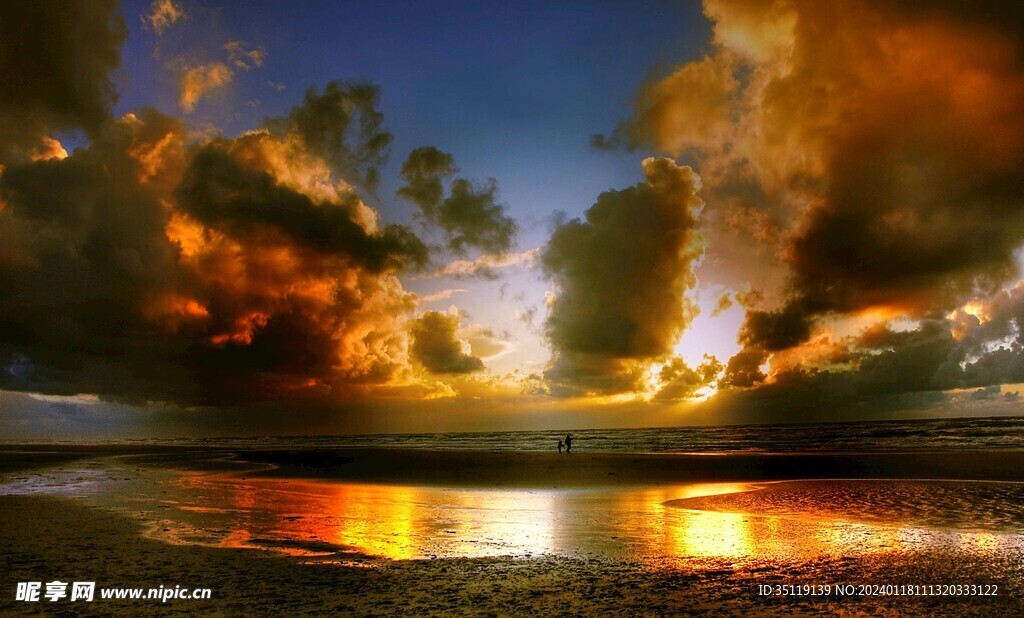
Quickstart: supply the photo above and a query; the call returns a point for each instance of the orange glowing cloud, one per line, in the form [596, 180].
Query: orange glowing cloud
[198, 81]
[856, 157]
[234, 269]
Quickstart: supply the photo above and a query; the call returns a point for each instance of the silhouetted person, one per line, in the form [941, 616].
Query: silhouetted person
[568, 443]
[560, 445]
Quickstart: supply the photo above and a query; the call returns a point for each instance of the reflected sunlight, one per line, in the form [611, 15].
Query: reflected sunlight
[321, 518]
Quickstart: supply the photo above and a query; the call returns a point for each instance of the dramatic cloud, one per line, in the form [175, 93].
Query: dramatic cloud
[692, 105]
[343, 126]
[218, 191]
[680, 381]
[469, 215]
[977, 347]
[622, 276]
[42, 90]
[162, 15]
[873, 151]
[437, 347]
[198, 81]
[84, 250]
[154, 264]
[145, 268]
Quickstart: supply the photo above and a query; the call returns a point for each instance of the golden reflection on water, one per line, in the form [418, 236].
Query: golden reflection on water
[706, 534]
[376, 520]
[399, 523]
[725, 535]
[392, 522]
[668, 531]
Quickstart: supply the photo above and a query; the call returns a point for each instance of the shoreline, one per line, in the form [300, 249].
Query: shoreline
[502, 469]
[550, 470]
[707, 564]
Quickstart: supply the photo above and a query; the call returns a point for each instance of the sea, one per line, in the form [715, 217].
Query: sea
[968, 434]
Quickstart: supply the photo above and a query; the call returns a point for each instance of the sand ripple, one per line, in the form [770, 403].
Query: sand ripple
[988, 506]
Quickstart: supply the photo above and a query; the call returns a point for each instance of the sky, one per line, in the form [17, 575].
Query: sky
[351, 217]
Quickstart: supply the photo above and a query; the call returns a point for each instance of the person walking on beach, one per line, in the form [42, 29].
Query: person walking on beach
[568, 443]
[560, 445]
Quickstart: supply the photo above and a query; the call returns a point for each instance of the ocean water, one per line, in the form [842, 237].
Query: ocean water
[875, 436]
[209, 499]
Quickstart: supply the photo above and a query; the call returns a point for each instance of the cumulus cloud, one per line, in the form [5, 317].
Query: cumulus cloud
[621, 278]
[49, 148]
[162, 15]
[930, 364]
[83, 250]
[155, 265]
[468, 214]
[43, 91]
[219, 191]
[870, 153]
[343, 126]
[692, 105]
[143, 267]
[197, 81]
[436, 345]
[680, 381]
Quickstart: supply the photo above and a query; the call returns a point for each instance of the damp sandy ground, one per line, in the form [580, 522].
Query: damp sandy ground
[306, 538]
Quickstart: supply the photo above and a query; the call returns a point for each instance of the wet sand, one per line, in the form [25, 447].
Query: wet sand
[56, 538]
[513, 534]
[991, 507]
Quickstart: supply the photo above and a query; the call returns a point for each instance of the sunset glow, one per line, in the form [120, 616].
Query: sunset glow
[217, 236]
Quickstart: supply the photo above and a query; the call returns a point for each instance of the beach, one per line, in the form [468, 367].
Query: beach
[385, 531]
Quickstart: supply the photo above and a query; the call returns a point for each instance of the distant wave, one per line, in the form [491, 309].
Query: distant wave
[877, 436]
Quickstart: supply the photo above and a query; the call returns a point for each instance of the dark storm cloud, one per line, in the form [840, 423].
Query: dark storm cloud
[146, 267]
[343, 125]
[55, 64]
[921, 190]
[988, 393]
[143, 268]
[775, 330]
[826, 396]
[764, 332]
[889, 370]
[621, 277]
[875, 152]
[905, 241]
[84, 249]
[438, 348]
[469, 215]
[217, 190]
[744, 368]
